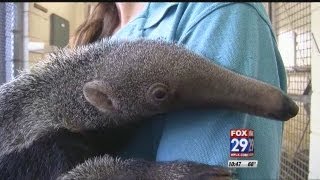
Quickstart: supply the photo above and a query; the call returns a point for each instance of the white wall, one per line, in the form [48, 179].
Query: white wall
[39, 21]
[314, 161]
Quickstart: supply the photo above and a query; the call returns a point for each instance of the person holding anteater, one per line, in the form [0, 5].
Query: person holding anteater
[237, 36]
[81, 109]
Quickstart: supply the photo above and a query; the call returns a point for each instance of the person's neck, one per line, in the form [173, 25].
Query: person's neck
[127, 11]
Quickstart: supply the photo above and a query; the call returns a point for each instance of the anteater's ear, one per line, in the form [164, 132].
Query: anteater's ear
[99, 94]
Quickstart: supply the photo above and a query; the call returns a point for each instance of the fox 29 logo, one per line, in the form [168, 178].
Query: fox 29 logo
[241, 143]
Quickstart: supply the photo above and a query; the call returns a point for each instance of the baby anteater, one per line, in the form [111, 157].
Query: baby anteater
[51, 116]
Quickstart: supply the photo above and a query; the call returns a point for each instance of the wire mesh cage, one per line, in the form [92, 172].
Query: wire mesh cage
[6, 40]
[292, 25]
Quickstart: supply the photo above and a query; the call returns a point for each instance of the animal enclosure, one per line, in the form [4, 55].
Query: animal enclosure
[292, 25]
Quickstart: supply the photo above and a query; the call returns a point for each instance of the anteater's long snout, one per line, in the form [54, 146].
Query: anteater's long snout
[213, 87]
[288, 111]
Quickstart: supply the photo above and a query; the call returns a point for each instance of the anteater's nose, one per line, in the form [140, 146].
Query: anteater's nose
[290, 108]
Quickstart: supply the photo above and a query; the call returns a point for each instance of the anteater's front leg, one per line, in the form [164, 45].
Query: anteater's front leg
[47, 157]
[108, 168]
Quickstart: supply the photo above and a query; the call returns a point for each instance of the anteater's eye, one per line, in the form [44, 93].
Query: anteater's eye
[158, 92]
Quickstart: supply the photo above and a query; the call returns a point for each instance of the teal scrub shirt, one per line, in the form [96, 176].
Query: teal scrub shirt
[237, 36]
